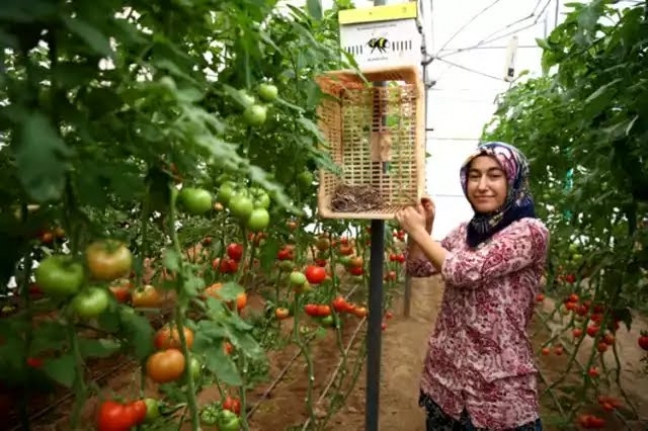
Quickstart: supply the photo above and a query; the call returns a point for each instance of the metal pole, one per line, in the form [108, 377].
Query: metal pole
[374, 324]
[374, 321]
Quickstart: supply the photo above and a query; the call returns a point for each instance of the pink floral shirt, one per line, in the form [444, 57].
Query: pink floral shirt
[479, 356]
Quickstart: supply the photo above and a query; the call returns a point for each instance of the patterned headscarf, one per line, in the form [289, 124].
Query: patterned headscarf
[518, 203]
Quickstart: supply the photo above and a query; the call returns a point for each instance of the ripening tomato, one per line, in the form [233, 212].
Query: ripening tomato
[147, 297]
[578, 332]
[167, 338]
[121, 293]
[165, 366]
[356, 261]
[360, 311]
[346, 250]
[593, 372]
[282, 313]
[323, 244]
[108, 260]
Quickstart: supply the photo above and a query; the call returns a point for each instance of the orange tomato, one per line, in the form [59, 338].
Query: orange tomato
[166, 338]
[165, 366]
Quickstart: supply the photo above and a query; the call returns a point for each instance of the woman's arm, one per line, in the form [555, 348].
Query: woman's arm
[427, 248]
[520, 245]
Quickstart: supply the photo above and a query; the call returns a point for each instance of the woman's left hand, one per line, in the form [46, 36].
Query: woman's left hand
[412, 218]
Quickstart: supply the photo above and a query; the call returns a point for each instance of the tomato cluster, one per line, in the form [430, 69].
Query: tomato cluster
[117, 416]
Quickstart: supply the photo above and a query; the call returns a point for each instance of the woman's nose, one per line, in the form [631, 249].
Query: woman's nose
[482, 184]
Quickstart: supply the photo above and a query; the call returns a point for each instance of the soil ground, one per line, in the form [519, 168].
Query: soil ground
[403, 350]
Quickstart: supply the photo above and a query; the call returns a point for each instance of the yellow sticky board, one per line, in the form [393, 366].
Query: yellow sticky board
[379, 13]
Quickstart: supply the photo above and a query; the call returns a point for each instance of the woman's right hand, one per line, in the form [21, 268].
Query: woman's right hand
[430, 212]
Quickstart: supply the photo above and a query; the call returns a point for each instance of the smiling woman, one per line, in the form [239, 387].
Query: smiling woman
[491, 266]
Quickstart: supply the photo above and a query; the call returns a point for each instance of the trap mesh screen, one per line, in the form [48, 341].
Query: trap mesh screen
[373, 139]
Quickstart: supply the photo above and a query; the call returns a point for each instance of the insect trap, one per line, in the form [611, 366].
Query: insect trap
[373, 121]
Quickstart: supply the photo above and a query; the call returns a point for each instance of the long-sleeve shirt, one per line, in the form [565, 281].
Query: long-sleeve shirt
[479, 355]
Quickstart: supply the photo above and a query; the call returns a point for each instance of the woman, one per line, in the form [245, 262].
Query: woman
[479, 372]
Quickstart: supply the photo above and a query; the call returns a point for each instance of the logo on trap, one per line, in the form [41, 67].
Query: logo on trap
[378, 43]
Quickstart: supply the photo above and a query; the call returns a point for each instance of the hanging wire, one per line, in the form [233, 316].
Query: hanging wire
[463, 27]
[491, 37]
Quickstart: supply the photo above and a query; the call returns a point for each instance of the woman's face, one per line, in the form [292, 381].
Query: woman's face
[487, 184]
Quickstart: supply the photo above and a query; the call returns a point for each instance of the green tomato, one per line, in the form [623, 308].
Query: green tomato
[260, 198]
[228, 421]
[297, 278]
[258, 220]
[305, 179]
[246, 98]
[241, 206]
[195, 368]
[225, 193]
[268, 92]
[152, 409]
[209, 416]
[573, 247]
[286, 265]
[328, 320]
[59, 276]
[91, 302]
[255, 115]
[195, 201]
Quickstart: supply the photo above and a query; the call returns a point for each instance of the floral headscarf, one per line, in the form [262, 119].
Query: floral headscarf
[518, 203]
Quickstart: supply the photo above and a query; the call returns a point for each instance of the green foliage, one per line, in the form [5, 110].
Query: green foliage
[589, 113]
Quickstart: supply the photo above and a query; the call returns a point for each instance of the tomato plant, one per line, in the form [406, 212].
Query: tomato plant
[157, 165]
[590, 190]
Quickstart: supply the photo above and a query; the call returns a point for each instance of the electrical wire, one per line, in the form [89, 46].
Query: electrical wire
[468, 69]
[463, 27]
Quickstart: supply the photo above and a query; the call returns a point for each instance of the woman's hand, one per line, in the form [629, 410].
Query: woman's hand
[413, 218]
[430, 211]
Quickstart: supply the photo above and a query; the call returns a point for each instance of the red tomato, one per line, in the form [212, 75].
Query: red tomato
[232, 404]
[642, 341]
[340, 305]
[578, 332]
[114, 416]
[540, 297]
[592, 330]
[593, 372]
[356, 270]
[315, 274]
[285, 254]
[34, 362]
[311, 309]
[323, 310]
[235, 252]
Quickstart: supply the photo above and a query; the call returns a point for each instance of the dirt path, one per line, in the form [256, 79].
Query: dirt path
[403, 350]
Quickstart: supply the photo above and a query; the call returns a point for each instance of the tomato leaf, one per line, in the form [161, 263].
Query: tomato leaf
[219, 363]
[139, 332]
[171, 260]
[41, 159]
[230, 291]
[268, 253]
[90, 35]
[61, 369]
[99, 348]
[246, 343]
